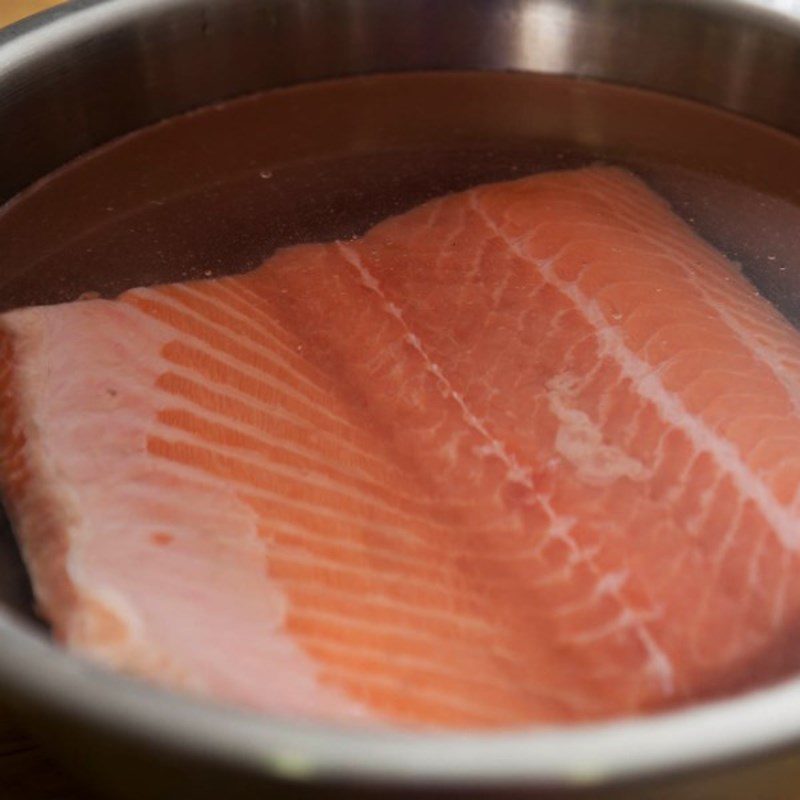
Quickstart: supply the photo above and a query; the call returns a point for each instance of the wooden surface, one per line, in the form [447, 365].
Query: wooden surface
[12, 10]
[26, 771]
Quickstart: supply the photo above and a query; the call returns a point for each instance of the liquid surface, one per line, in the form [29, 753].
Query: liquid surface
[523, 454]
[218, 190]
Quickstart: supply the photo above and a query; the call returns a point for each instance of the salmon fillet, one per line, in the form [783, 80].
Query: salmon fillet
[525, 454]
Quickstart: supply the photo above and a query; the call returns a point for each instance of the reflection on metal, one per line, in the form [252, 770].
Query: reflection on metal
[545, 37]
[13, 10]
[115, 65]
[99, 69]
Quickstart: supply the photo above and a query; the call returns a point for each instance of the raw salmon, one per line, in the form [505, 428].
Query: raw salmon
[529, 453]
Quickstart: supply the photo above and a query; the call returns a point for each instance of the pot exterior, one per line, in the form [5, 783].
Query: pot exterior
[89, 71]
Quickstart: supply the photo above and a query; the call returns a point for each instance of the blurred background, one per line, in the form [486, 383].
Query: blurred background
[26, 772]
[12, 10]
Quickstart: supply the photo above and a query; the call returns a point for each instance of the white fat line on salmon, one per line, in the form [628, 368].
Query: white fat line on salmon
[625, 619]
[672, 410]
[516, 472]
[251, 492]
[376, 658]
[755, 580]
[264, 381]
[581, 442]
[686, 263]
[609, 584]
[787, 575]
[367, 546]
[252, 352]
[396, 615]
[255, 407]
[389, 585]
[753, 343]
[199, 477]
[322, 604]
[658, 663]
[436, 660]
[235, 323]
[450, 700]
[260, 440]
[261, 335]
[732, 529]
[645, 379]
[306, 476]
[505, 690]
[389, 580]
[253, 303]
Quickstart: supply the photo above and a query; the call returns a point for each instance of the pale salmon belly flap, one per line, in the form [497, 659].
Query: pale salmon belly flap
[525, 454]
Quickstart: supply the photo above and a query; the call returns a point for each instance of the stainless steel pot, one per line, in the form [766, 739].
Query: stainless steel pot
[94, 69]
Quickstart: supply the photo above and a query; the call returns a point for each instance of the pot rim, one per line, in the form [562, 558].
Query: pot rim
[33, 670]
[37, 671]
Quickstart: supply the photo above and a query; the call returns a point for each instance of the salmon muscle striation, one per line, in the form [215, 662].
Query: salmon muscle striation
[528, 453]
